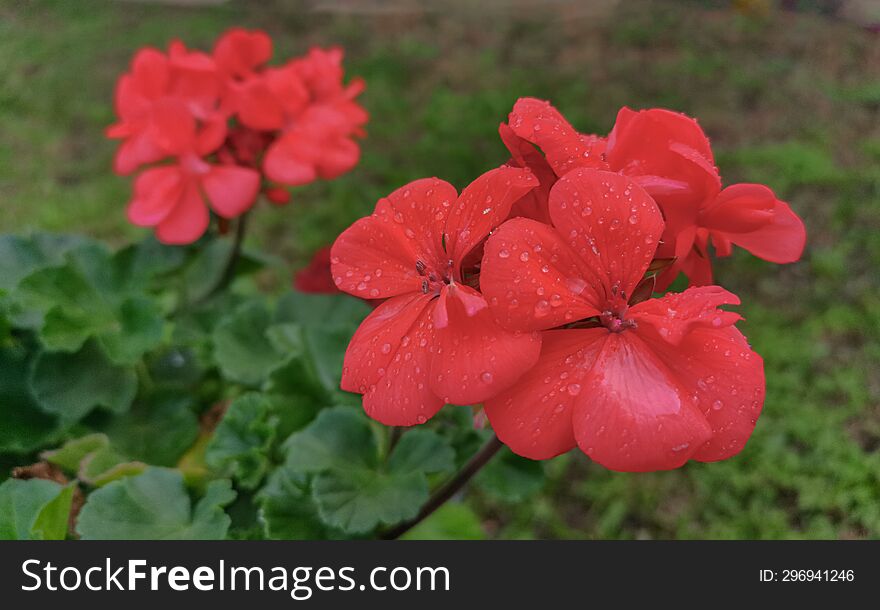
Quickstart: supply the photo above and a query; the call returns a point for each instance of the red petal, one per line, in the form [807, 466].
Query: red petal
[187, 221]
[725, 379]
[541, 124]
[173, 127]
[135, 151]
[284, 162]
[482, 206]
[376, 257]
[475, 358]
[388, 361]
[533, 280]
[612, 224]
[534, 203]
[231, 190]
[316, 277]
[339, 156]
[150, 72]
[781, 241]
[533, 417]
[239, 51]
[156, 191]
[741, 208]
[664, 148]
[676, 314]
[635, 416]
[257, 106]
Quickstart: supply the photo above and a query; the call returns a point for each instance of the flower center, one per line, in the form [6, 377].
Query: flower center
[433, 280]
[615, 320]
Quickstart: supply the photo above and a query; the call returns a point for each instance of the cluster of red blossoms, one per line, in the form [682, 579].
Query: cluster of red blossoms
[226, 126]
[532, 292]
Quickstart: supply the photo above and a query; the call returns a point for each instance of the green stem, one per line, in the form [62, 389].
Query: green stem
[231, 263]
[449, 489]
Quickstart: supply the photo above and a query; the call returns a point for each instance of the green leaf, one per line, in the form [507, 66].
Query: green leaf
[71, 385]
[136, 330]
[25, 426]
[20, 256]
[353, 490]
[242, 442]
[139, 264]
[313, 310]
[89, 297]
[70, 455]
[93, 460]
[358, 500]
[287, 510]
[34, 510]
[452, 521]
[339, 438]
[155, 505]
[510, 477]
[105, 465]
[158, 429]
[242, 349]
[422, 451]
[328, 323]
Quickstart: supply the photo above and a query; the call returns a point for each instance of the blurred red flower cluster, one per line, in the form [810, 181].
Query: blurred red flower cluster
[216, 129]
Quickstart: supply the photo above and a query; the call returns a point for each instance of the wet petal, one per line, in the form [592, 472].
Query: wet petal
[780, 241]
[377, 256]
[676, 314]
[388, 362]
[611, 223]
[725, 379]
[636, 416]
[532, 279]
[483, 205]
[533, 417]
[475, 358]
[541, 124]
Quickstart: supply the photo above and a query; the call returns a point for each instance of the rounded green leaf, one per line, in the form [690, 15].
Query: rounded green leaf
[155, 505]
[71, 385]
[34, 509]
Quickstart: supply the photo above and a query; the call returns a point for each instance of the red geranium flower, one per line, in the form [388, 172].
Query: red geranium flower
[319, 142]
[316, 277]
[239, 52]
[668, 154]
[188, 76]
[638, 386]
[170, 197]
[433, 341]
[296, 123]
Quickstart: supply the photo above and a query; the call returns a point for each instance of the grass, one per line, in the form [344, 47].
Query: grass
[789, 100]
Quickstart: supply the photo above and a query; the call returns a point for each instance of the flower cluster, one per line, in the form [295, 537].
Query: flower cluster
[225, 126]
[533, 292]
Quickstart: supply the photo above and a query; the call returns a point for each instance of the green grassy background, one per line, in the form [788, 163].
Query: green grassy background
[788, 99]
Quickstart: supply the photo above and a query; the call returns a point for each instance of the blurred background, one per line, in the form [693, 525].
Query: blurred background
[788, 90]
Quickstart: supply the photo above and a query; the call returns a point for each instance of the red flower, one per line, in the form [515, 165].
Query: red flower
[154, 77]
[638, 386]
[316, 278]
[170, 197]
[239, 52]
[433, 341]
[668, 154]
[319, 141]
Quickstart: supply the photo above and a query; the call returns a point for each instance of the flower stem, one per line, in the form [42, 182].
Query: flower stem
[449, 489]
[232, 262]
